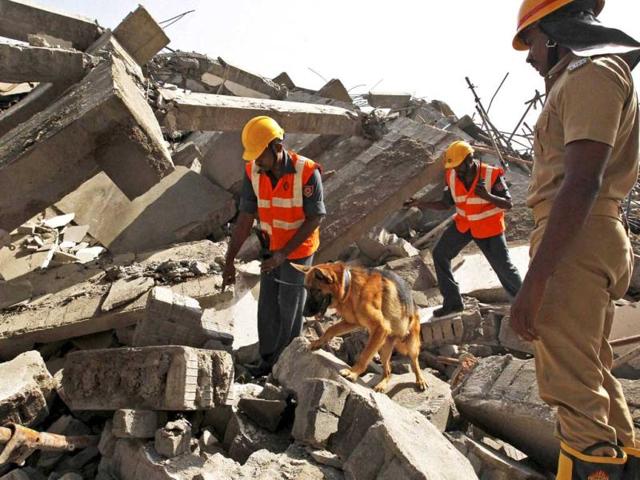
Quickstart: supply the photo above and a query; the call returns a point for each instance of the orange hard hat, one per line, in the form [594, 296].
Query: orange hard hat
[257, 134]
[532, 11]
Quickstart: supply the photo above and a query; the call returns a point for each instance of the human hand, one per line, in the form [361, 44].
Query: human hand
[228, 274]
[481, 190]
[526, 307]
[273, 262]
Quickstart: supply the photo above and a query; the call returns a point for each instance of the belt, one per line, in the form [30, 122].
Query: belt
[603, 206]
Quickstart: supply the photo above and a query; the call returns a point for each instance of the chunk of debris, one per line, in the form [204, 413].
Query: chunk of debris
[148, 378]
[129, 423]
[126, 290]
[265, 413]
[244, 437]
[173, 439]
[26, 389]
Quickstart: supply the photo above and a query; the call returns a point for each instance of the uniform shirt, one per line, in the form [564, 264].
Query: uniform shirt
[499, 189]
[312, 204]
[592, 99]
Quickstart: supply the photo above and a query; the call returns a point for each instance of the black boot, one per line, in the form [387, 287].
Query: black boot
[448, 310]
[632, 468]
[575, 465]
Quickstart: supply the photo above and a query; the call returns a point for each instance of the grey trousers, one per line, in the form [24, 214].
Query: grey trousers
[280, 309]
[494, 249]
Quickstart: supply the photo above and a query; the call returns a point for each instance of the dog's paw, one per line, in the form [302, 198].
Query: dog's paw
[315, 345]
[381, 387]
[421, 384]
[349, 374]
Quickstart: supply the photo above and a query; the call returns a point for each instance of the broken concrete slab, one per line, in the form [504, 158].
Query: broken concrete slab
[140, 35]
[126, 290]
[335, 89]
[489, 463]
[415, 271]
[20, 63]
[128, 423]
[626, 323]
[18, 19]
[477, 279]
[186, 154]
[200, 111]
[148, 378]
[124, 137]
[628, 365]
[404, 161]
[83, 316]
[173, 439]
[183, 206]
[500, 384]
[284, 79]
[435, 403]
[380, 245]
[265, 413]
[26, 389]
[441, 331]
[243, 437]
[320, 404]
[389, 100]
[203, 74]
[510, 340]
[378, 438]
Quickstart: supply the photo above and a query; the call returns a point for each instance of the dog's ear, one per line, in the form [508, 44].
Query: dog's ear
[322, 276]
[301, 268]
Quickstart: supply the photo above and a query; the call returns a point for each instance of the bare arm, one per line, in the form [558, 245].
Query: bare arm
[241, 232]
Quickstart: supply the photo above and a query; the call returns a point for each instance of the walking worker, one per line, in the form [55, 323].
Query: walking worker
[283, 191]
[480, 195]
[586, 162]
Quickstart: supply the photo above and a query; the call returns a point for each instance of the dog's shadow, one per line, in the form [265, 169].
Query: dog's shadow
[396, 388]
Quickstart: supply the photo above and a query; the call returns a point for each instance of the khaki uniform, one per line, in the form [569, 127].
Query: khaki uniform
[592, 99]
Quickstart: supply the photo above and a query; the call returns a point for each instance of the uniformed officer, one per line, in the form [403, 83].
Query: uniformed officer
[283, 191]
[586, 162]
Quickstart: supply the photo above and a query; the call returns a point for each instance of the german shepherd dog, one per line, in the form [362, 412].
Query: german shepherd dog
[379, 301]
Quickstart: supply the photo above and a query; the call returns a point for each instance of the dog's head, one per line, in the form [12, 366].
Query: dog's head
[324, 284]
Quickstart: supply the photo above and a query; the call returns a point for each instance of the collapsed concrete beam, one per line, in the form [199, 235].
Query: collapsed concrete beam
[20, 63]
[140, 35]
[18, 19]
[103, 122]
[389, 100]
[200, 73]
[374, 184]
[148, 378]
[83, 316]
[336, 90]
[506, 384]
[200, 111]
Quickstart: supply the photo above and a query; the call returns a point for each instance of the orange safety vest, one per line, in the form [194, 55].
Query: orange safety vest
[472, 212]
[280, 209]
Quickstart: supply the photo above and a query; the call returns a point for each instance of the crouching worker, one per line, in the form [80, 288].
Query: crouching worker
[480, 195]
[283, 191]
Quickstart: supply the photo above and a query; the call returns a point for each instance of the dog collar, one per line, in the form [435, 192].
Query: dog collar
[347, 282]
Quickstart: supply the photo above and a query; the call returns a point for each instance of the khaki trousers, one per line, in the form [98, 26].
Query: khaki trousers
[573, 356]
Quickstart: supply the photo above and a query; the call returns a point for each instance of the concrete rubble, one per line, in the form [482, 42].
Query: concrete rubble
[120, 176]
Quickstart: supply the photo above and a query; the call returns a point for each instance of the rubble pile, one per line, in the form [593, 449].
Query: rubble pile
[121, 353]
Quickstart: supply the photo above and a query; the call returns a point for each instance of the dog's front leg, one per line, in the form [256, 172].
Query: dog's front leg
[340, 328]
[376, 340]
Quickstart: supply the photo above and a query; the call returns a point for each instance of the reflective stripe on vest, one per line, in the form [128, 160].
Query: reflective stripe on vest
[474, 213]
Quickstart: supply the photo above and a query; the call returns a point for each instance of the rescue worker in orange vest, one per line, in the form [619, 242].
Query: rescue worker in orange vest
[283, 191]
[480, 195]
[586, 153]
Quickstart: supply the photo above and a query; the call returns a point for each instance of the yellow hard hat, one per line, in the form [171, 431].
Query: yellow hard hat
[257, 134]
[532, 11]
[456, 153]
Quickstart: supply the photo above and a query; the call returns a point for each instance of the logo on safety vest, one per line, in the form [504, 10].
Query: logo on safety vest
[307, 191]
[599, 475]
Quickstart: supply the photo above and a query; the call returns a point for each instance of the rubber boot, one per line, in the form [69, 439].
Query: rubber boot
[575, 465]
[632, 468]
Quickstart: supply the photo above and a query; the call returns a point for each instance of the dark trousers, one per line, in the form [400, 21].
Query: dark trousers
[280, 309]
[494, 249]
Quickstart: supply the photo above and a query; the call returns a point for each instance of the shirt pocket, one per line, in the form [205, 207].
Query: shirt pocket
[540, 135]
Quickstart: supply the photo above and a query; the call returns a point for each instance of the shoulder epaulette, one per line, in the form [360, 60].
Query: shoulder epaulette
[576, 64]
